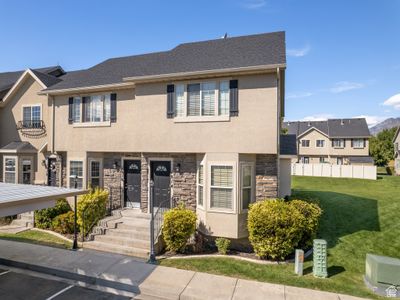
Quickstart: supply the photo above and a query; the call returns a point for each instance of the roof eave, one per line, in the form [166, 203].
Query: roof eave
[87, 88]
[174, 76]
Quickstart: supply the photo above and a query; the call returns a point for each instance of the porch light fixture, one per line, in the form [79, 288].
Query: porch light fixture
[178, 168]
[116, 165]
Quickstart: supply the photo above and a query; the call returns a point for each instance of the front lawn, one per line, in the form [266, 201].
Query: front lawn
[37, 237]
[360, 216]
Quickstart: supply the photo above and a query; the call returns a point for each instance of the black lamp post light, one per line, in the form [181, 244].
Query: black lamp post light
[75, 244]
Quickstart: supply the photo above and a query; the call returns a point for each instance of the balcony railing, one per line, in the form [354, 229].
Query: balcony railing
[31, 124]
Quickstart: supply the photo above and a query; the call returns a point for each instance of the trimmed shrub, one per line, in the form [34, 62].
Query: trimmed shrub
[179, 225]
[64, 223]
[223, 245]
[277, 227]
[91, 208]
[44, 217]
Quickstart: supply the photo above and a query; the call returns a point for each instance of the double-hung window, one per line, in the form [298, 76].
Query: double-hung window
[221, 189]
[204, 99]
[200, 185]
[305, 143]
[338, 143]
[247, 185]
[320, 143]
[10, 170]
[31, 116]
[76, 173]
[76, 110]
[95, 109]
[95, 173]
[358, 143]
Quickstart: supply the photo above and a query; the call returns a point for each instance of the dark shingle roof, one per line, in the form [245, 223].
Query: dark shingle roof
[48, 80]
[8, 79]
[235, 52]
[361, 159]
[333, 128]
[288, 145]
[19, 147]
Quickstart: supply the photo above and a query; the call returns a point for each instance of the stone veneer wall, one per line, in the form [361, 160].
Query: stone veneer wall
[112, 181]
[183, 184]
[266, 176]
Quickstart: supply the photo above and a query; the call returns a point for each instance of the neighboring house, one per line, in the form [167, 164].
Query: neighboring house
[200, 121]
[335, 141]
[396, 142]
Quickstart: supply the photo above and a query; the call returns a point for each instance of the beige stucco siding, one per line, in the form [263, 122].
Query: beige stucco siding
[313, 136]
[11, 113]
[142, 125]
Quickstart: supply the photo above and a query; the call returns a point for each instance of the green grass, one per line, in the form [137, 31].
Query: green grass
[36, 237]
[360, 217]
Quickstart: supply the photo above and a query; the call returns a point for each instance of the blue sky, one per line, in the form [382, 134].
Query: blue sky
[343, 56]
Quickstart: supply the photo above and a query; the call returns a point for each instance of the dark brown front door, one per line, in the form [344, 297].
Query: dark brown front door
[161, 177]
[132, 183]
[52, 172]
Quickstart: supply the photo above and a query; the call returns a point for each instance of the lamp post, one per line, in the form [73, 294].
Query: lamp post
[152, 259]
[75, 244]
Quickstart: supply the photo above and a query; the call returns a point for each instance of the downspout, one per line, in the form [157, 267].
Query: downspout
[53, 108]
[278, 164]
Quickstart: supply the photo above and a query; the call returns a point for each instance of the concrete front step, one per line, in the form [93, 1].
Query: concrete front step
[123, 241]
[22, 222]
[107, 247]
[129, 233]
[134, 213]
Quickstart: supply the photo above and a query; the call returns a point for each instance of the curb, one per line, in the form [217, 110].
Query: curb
[72, 276]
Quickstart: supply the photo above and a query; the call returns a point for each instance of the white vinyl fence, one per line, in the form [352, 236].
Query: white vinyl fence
[328, 170]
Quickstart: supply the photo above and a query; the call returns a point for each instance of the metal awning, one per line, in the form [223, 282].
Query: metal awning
[20, 198]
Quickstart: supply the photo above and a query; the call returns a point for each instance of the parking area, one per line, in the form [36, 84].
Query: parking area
[17, 286]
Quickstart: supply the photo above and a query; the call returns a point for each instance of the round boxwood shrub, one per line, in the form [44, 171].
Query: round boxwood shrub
[64, 223]
[44, 217]
[179, 225]
[223, 245]
[277, 227]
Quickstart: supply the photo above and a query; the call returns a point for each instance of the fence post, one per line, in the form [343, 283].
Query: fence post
[152, 252]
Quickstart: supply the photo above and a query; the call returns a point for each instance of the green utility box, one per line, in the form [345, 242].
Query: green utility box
[320, 258]
[382, 274]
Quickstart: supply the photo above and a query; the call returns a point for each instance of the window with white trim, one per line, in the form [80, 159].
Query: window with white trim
[247, 185]
[26, 171]
[338, 143]
[358, 143]
[221, 189]
[322, 160]
[320, 143]
[76, 171]
[31, 116]
[207, 99]
[200, 185]
[96, 108]
[10, 170]
[95, 173]
[305, 160]
[76, 110]
[305, 143]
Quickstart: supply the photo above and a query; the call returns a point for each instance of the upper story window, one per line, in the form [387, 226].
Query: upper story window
[92, 109]
[338, 143]
[31, 116]
[357, 143]
[320, 143]
[305, 143]
[206, 99]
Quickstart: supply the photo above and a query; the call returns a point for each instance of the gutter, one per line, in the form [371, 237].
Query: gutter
[278, 164]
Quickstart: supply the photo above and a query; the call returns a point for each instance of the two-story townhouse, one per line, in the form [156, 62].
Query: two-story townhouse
[396, 142]
[335, 141]
[199, 123]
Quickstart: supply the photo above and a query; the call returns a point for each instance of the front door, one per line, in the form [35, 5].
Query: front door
[51, 172]
[161, 177]
[132, 183]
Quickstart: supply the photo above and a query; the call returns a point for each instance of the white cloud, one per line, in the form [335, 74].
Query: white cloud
[344, 86]
[299, 52]
[254, 4]
[318, 117]
[393, 101]
[372, 120]
[299, 95]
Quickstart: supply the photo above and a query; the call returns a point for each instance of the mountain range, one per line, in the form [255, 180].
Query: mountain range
[387, 124]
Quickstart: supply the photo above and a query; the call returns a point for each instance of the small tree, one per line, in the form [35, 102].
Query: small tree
[381, 147]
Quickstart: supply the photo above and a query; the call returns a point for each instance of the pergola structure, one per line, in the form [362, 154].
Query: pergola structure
[19, 198]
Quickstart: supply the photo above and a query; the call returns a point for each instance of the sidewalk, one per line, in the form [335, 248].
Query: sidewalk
[145, 280]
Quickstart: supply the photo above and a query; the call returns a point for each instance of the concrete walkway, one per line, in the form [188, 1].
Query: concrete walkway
[145, 280]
